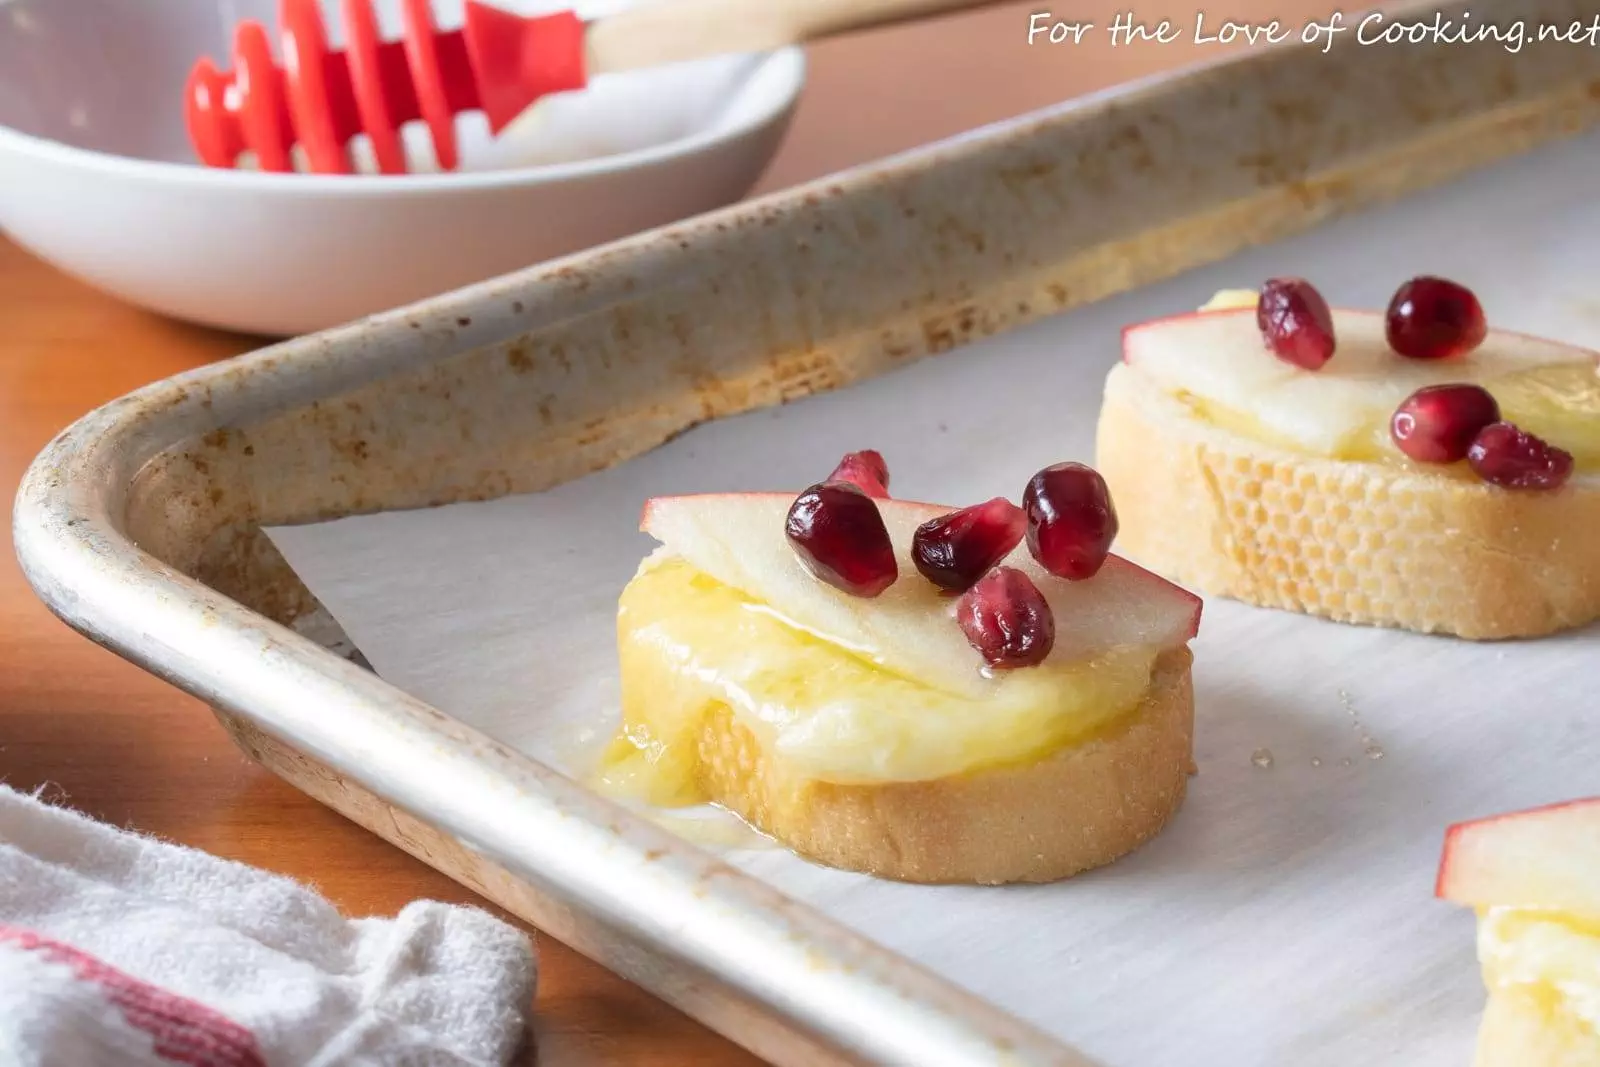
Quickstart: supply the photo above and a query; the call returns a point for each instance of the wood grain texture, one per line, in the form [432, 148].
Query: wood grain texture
[103, 736]
[655, 34]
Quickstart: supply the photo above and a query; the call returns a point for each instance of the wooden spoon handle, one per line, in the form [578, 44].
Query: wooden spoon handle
[669, 31]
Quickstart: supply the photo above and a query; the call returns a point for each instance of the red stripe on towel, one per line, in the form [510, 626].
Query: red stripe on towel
[184, 1031]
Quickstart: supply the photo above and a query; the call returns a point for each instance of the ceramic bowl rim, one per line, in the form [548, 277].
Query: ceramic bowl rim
[790, 61]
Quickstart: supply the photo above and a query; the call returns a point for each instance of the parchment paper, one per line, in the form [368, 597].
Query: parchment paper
[1286, 917]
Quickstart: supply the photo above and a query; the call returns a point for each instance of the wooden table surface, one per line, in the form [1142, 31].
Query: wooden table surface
[102, 736]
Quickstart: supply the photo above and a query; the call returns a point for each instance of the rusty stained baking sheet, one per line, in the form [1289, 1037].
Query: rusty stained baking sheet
[1287, 916]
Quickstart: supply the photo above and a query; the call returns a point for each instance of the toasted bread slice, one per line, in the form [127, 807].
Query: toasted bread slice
[1356, 542]
[1519, 1031]
[1080, 807]
[885, 746]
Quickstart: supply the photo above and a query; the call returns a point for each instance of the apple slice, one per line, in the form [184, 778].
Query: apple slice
[1547, 858]
[1219, 358]
[738, 539]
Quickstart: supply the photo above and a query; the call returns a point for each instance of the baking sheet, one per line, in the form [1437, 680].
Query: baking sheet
[1286, 915]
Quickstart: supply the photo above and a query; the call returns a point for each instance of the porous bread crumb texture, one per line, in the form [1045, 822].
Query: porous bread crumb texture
[1080, 807]
[1355, 542]
[1519, 1031]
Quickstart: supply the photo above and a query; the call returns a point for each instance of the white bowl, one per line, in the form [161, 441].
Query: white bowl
[96, 172]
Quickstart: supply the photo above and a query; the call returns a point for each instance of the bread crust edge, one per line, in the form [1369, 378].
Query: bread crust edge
[1354, 542]
[1080, 807]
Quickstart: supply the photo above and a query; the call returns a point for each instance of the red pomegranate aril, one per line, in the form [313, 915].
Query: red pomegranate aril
[1295, 322]
[1437, 424]
[866, 470]
[955, 550]
[839, 536]
[1071, 522]
[1432, 318]
[1007, 619]
[1506, 456]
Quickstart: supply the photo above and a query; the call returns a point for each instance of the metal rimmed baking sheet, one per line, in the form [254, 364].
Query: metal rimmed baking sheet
[140, 525]
[1330, 757]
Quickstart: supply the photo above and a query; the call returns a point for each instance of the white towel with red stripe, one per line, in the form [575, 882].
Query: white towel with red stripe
[117, 949]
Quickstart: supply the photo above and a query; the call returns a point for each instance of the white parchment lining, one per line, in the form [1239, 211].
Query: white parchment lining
[1286, 917]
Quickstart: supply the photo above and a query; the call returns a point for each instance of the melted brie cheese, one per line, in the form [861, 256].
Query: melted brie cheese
[1216, 364]
[691, 646]
[1552, 958]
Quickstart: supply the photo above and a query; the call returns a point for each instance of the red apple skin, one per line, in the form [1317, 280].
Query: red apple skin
[1113, 563]
[1183, 316]
[1180, 316]
[1455, 832]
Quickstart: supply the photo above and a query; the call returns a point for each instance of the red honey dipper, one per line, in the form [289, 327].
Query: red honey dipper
[498, 62]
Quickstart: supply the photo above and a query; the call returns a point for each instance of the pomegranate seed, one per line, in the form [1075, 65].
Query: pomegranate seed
[866, 470]
[1007, 619]
[1431, 318]
[955, 550]
[838, 534]
[1437, 424]
[1506, 456]
[1295, 322]
[1071, 522]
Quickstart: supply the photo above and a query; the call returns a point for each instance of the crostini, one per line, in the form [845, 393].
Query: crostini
[1412, 469]
[922, 693]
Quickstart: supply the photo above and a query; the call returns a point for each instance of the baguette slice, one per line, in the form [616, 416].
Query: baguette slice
[1356, 542]
[1080, 807]
[884, 747]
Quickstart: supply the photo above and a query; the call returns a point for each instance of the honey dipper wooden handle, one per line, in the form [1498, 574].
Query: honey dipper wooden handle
[669, 31]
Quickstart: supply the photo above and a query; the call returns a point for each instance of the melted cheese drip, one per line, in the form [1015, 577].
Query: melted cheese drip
[691, 646]
[1560, 404]
[1554, 959]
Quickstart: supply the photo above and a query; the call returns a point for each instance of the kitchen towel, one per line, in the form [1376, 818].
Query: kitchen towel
[118, 949]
